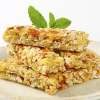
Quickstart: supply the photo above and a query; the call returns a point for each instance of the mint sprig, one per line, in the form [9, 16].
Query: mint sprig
[39, 21]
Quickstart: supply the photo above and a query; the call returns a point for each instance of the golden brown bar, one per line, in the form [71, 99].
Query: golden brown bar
[50, 83]
[76, 60]
[42, 60]
[59, 39]
[50, 61]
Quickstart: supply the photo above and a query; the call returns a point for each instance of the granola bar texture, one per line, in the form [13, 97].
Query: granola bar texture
[46, 61]
[59, 39]
[42, 60]
[50, 83]
[76, 60]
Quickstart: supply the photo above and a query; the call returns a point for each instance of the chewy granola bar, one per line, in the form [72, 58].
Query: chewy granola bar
[50, 61]
[41, 60]
[50, 83]
[59, 39]
[77, 60]
[79, 76]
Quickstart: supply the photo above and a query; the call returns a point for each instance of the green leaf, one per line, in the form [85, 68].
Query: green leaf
[62, 23]
[51, 20]
[37, 19]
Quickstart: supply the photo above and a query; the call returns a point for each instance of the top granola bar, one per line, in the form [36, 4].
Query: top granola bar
[59, 39]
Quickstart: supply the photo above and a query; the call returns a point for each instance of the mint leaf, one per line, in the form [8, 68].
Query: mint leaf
[62, 23]
[37, 19]
[51, 20]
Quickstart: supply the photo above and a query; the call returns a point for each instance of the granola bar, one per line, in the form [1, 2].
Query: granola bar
[50, 83]
[41, 60]
[59, 39]
[77, 60]
[50, 61]
[79, 76]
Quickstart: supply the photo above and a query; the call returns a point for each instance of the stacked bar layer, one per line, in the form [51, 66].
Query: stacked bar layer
[45, 61]
[59, 39]
[50, 83]
[42, 60]
[76, 60]
[48, 59]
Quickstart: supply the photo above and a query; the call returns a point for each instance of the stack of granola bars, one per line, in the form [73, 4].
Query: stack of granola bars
[48, 59]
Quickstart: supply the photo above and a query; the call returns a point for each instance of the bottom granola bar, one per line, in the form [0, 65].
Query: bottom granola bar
[81, 75]
[50, 83]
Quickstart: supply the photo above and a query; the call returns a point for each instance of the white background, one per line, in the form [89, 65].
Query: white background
[85, 14]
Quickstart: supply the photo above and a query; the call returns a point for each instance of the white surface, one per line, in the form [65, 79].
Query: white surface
[85, 14]
[87, 91]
